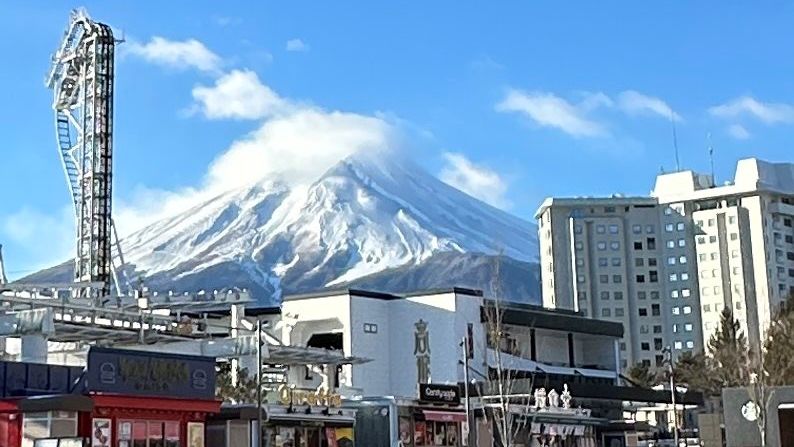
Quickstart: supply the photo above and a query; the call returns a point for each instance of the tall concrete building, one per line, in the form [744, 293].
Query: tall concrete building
[666, 265]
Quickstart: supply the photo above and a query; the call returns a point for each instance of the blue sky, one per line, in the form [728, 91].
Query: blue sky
[512, 101]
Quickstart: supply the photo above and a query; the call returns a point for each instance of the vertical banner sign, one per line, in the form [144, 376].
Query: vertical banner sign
[195, 434]
[422, 352]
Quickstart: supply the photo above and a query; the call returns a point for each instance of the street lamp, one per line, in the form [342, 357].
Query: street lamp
[669, 360]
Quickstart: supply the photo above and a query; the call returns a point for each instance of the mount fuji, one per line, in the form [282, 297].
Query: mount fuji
[371, 221]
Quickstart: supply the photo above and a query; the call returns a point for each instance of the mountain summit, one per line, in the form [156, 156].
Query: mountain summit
[375, 221]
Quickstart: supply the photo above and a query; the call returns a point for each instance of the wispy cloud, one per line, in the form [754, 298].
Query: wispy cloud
[475, 180]
[180, 55]
[635, 103]
[238, 94]
[549, 110]
[578, 118]
[738, 131]
[47, 237]
[296, 45]
[766, 112]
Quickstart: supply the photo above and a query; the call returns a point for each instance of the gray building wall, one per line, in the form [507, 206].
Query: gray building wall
[740, 432]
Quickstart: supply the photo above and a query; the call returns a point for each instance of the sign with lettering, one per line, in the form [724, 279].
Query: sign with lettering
[140, 373]
[297, 396]
[440, 394]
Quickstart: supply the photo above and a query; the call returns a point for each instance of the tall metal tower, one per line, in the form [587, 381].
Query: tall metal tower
[81, 78]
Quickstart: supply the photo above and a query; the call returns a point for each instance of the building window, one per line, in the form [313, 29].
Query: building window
[711, 222]
[687, 310]
[615, 262]
[613, 229]
[657, 329]
[604, 295]
[674, 294]
[673, 277]
[659, 360]
[636, 229]
[713, 256]
[686, 293]
[669, 228]
[651, 262]
[617, 279]
[638, 245]
[600, 229]
[609, 209]
[577, 229]
[370, 328]
[681, 242]
[603, 279]
[602, 262]
[712, 239]
[618, 296]
[717, 290]
[701, 240]
[680, 226]
[684, 276]
[614, 245]
[682, 259]
[702, 257]
[48, 424]
[655, 310]
[706, 308]
[670, 243]
[668, 211]
[657, 344]
[671, 260]
[579, 279]
[622, 346]
[649, 229]
[654, 294]
[579, 246]
[734, 236]
[675, 328]
[731, 219]
[676, 310]
[738, 305]
[618, 311]
[651, 242]
[643, 312]
[677, 345]
[640, 278]
[638, 262]
[645, 346]
[687, 327]
[602, 245]
[690, 344]
[641, 295]
[581, 295]
[606, 312]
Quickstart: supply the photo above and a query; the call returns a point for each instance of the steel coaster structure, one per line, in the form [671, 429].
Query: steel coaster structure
[82, 78]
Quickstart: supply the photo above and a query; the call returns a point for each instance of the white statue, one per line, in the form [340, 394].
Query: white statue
[554, 399]
[540, 397]
[565, 397]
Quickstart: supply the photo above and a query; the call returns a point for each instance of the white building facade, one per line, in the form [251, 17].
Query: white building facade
[665, 266]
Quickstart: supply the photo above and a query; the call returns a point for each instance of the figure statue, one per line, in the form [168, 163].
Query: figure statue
[554, 399]
[565, 397]
[540, 398]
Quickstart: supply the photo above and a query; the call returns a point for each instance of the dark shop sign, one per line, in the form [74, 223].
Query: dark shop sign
[439, 394]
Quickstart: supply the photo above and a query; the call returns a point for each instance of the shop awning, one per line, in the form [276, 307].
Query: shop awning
[65, 402]
[298, 418]
[444, 416]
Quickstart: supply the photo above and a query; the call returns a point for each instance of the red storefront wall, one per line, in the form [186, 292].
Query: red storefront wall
[127, 408]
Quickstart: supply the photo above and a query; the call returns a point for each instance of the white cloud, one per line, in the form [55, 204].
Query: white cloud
[296, 45]
[181, 55]
[635, 103]
[46, 238]
[238, 94]
[476, 181]
[767, 112]
[738, 131]
[548, 110]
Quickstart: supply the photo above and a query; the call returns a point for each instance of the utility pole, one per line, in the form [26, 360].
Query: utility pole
[467, 402]
[259, 422]
[669, 353]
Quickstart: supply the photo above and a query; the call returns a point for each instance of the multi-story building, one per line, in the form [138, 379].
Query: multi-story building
[665, 266]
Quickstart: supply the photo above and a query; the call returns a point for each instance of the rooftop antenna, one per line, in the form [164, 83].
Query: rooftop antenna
[711, 159]
[3, 278]
[675, 142]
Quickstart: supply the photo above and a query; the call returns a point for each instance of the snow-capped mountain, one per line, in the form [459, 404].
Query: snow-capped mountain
[375, 221]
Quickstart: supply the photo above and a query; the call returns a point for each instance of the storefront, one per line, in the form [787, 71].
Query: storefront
[122, 399]
[301, 418]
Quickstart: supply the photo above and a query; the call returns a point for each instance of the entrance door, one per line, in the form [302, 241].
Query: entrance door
[308, 437]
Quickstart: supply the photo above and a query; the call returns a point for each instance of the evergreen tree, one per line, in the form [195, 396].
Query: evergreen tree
[779, 346]
[692, 371]
[642, 375]
[728, 353]
[244, 392]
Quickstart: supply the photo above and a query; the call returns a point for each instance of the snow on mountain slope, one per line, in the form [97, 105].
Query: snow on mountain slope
[364, 216]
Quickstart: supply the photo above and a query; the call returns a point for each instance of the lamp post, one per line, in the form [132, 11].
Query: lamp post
[669, 359]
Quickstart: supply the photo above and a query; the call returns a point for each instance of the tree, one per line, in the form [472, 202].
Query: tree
[692, 371]
[243, 393]
[778, 356]
[728, 352]
[641, 375]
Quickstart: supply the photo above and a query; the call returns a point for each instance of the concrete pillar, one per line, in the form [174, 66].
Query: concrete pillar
[34, 348]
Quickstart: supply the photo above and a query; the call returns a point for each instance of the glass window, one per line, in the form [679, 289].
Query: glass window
[681, 242]
[606, 312]
[638, 262]
[613, 229]
[618, 295]
[676, 310]
[734, 253]
[646, 347]
[615, 262]
[684, 276]
[636, 229]
[670, 243]
[649, 229]
[655, 310]
[711, 222]
[651, 262]
[706, 308]
[734, 236]
[674, 294]
[579, 246]
[675, 328]
[622, 346]
[668, 211]
[614, 245]
[687, 310]
[640, 278]
[641, 295]
[713, 256]
[682, 259]
[690, 344]
[712, 239]
[673, 277]
[577, 229]
[688, 327]
[701, 239]
[671, 260]
[651, 243]
[677, 345]
[600, 229]
[702, 257]
[685, 293]
[602, 245]
[654, 294]
[617, 279]
[603, 279]
[669, 228]
[680, 226]
[731, 219]
[643, 312]
[602, 262]
[618, 311]
[604, 295]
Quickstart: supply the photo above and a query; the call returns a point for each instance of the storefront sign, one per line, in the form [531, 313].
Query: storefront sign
[151, 374]
[442, 394]
[320, 397]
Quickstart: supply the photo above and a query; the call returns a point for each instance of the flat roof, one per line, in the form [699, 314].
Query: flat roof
[382, 295]
[594, 201]
[532, 316]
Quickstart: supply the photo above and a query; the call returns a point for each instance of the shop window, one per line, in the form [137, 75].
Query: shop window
[149, 433]
[48, 424]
